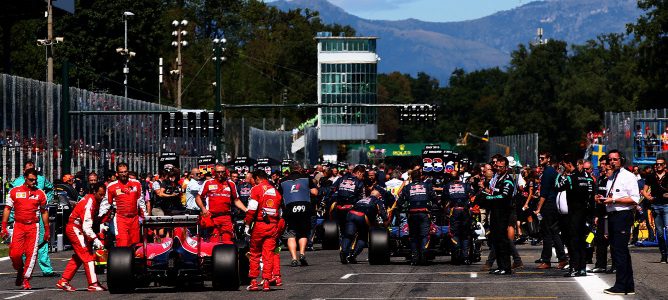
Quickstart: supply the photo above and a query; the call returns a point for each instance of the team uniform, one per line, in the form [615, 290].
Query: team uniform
[501, 204]
[219, 198]
[264, 210]
[362, 216]
[129, 205]
[27, 205]
[347, 191]
[580, 198]
[419, 197]
[298, 209]
[79, 231]
[457, 193]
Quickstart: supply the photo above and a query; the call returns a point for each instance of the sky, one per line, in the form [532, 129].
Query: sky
[426, 10]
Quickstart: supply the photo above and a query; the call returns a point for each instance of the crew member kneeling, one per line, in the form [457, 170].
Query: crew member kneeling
[264, 211]
[79, 230]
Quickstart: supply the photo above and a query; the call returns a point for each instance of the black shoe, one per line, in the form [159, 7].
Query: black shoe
[302, 260]
[614, 291]
[19, 277]
[52, 274]
[540, 261]
[503, 272]
[352, 260]
[521, 241]
[344, 258]
[581, 273]
[494, 271]
[467, 262]
[310, 248]
[663, 259]
[611, 271]
[294, 263]
[596, 270]
[570, 274]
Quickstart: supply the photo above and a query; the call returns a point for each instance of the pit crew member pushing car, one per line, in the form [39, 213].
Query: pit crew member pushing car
[125, 194]
[219, 194]
[457, 194]
[79, 231]
[362, 216]
[264, 212]
[347, 191]
[418, 197]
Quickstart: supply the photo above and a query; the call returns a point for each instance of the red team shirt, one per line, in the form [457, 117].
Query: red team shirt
[264, 198]
[26, 202]
[83, 214]
[219, 196]
[127, 198]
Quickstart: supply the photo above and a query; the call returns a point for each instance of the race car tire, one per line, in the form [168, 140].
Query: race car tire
[244, 266]
[330, 236]
[225, 269]
[120, 279]
[379, 246]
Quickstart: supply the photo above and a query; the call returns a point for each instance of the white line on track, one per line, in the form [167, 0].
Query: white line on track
[437, 297]
[18, 294]
[435, 282]
[472, 274]
[593, 285]
[4, 258]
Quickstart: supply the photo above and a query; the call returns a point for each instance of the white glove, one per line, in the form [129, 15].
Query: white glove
[104, 228]
[247, 230]
[98, 244]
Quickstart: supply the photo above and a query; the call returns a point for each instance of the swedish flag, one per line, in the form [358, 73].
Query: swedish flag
[597, 150]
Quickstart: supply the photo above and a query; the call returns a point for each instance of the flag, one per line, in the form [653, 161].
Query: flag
[597, 151]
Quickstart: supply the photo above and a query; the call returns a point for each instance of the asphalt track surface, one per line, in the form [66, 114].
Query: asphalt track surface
[326, 278]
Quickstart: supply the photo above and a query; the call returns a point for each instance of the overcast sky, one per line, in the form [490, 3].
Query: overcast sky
[426, 10]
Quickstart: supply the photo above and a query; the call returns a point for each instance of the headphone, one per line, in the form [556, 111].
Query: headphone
[622, 158]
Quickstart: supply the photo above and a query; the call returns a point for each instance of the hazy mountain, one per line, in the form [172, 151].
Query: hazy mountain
[411, 45]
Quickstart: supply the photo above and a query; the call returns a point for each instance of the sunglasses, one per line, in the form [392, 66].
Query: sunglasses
[613, 159]
[542, 158]
[660, 164]
[31, 179]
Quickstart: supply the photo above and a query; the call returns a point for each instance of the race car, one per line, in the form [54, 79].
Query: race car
[178, 259]
[394, 241]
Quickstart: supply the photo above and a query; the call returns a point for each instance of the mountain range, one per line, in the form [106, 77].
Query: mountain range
[437, 48]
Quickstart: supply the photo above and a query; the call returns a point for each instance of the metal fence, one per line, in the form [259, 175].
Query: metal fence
[523, 147]
[637, 134]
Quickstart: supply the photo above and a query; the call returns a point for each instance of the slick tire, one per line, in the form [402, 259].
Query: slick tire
[120, 279]
[225, 268]
[379, 246]
[330, 236]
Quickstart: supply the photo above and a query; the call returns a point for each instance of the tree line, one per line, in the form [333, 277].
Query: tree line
[558, 90]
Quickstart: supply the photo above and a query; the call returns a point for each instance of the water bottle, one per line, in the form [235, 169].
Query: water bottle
[539, 217]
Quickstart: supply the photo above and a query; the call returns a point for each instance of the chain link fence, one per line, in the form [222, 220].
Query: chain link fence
[522, 146]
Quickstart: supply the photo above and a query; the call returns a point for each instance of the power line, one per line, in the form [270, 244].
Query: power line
[280, 66]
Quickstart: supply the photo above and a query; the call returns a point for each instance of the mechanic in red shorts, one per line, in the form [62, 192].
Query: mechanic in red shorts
[79, 231]
[26, 201]
[219, 193]
[264, 211]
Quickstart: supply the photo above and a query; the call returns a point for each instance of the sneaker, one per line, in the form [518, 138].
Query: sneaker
[96, 287]
[19, 277]
[540, 261]
[663, 259]
[253, 286]
[302, 260]
[614, 291]
[26, 284]
[544, 266]
[65, 285]
[344, 258]
[265, 286]
[294, 263]
[611, 271]
[351, 259]
[596, 270]
[276, 280]
[517, 265]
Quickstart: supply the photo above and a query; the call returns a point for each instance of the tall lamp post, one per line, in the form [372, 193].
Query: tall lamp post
[179, 32]
[125, 52]
[219, 58]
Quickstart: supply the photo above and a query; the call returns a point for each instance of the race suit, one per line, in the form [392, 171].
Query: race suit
[501, 204]
[579, 188]
[347, 191]
[418, 196]
[457, 193]
[126, 198]
[220, 196]
[79, 231]
[360, 218]
[264, 210]
[27, 205]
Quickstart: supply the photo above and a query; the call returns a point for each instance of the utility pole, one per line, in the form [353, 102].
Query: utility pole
[126, 52]
[219, 58]
[49, 36]
[179, 34]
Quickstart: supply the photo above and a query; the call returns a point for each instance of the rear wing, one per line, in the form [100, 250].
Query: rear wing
[170, 221]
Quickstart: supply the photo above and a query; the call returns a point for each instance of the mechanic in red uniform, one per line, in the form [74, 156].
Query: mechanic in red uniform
[79, 231]
[219, 193]
[124, 195]
[26, 200]
[264, 210]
